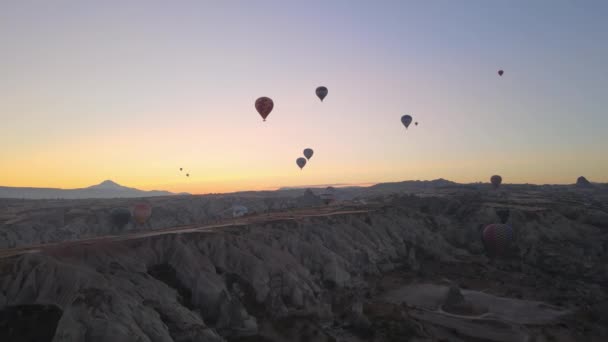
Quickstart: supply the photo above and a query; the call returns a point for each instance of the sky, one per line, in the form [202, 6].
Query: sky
[133, 90]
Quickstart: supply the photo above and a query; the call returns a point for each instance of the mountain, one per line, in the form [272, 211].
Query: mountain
[105, 189]
[324, 186]
[108, 185]
[410, 185]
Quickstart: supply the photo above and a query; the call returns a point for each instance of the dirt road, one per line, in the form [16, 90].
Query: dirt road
[242, 221]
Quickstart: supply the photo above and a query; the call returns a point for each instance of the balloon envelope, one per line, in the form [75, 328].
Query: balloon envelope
[321, 92]
[301, 162]
[500, 72]
[142, 212]
[497, 238]
[308, 153]
[264, 106]
[406, 120]
[496, 180]
[120, 216]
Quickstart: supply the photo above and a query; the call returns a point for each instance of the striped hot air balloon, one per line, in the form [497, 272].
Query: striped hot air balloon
[496, 180]
[264, 106]
[142, 212]
[497, 238]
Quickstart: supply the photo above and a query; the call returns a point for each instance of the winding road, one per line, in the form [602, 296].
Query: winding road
[195, 228]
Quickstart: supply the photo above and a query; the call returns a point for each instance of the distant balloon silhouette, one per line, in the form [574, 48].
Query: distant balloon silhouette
[500, 72]
[301, 162]
[187, 175]
[308, 153]
[264, 106]
[321, 93]
[180, 168]
[406, 120]
[416, 123]
[120, 217]
[496, 180]
[497, 238]
[142, 212]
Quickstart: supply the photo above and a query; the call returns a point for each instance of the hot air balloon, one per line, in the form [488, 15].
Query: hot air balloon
[321, 92]
[142, 212]
[264, 106]
[500, 72]
[187, 175]
[496, 180]
[308, 153]
[180, 168]
[120, 217]
[416, 123]
[301, 162]
[497, 238]
[406, 120]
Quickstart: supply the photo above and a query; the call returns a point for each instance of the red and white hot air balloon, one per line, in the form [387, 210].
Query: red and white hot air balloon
[497, 238]
[264, 106]
[496, 180]
[142, 212]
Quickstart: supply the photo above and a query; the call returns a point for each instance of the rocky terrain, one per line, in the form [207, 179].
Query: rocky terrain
[105, 189]
[408, 265]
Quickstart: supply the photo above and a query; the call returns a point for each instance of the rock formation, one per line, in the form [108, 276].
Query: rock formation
[582, 182]
[412, 268]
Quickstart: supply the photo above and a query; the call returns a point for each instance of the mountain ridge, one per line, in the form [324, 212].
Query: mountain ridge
[105, 189]
[111, 189]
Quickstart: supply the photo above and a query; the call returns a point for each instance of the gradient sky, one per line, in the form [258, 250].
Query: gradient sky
[133, 90]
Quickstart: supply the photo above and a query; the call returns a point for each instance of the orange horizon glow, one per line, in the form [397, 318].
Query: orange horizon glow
[131, 93]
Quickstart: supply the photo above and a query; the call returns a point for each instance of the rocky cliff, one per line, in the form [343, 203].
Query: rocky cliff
[410, 270]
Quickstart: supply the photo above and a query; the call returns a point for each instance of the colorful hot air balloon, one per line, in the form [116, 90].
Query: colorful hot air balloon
[496, 180]
[500, 72]
[497, 238]
[321, 92]
[406, 120]
[120, 217]
[142, 212]
[301, 162]
[308, 153]
[264, 106]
